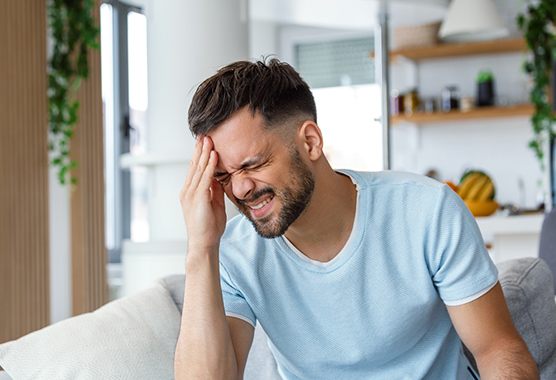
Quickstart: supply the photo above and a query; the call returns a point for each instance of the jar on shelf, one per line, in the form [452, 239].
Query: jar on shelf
[467, 103]
[430, 105]
[397, 102]
[411, 102]
[450, 98]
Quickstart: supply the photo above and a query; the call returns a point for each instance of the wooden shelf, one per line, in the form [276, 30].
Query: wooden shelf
[460, 49]
[475, 113]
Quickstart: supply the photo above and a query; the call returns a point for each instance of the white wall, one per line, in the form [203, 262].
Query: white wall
[263, 39]
[498, 146]
[59, 239]
[60, 257]
[187, 41]
[431, 76]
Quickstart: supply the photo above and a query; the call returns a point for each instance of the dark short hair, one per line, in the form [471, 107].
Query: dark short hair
[273, 88]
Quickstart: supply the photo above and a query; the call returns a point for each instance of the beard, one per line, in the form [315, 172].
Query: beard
[294, 199]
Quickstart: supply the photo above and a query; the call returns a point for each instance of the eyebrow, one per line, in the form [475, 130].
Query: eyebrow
[252, 161]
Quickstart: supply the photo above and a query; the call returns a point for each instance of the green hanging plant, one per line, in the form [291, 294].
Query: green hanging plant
[74, 32]
[537, 25]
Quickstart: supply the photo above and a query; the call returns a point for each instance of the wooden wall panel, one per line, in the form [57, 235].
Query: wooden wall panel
[89, 257]
[24, 233]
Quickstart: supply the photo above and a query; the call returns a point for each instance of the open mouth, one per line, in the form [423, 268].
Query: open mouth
[262, 204]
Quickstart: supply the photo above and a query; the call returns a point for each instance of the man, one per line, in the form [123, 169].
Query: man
[352, 275]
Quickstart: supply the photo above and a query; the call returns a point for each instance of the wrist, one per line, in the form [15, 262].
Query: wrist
[203, 247]
[201, 256]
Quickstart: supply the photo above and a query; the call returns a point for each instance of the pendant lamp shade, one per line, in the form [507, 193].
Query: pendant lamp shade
[472, 20]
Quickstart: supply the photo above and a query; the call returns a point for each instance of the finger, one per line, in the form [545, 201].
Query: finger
[202, 165]
[205, 181]
[197, 150]
[210, 142]
[193, 163]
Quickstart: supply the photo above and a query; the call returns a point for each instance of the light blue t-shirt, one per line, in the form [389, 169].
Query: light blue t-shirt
[377, 310]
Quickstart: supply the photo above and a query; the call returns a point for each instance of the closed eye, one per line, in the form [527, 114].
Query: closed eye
[223, 178]
[255, 167]
[258, 165]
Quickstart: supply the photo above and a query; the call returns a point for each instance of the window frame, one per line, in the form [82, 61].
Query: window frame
[119, 187]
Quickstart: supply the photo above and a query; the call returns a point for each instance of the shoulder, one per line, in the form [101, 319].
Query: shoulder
[390, 178]
[388, 192]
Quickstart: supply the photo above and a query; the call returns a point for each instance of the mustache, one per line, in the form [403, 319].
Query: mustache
[256, 195]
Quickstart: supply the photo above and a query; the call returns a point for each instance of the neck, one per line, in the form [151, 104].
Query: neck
[325, 226]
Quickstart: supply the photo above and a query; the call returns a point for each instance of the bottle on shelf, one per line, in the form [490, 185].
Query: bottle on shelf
[450, 98]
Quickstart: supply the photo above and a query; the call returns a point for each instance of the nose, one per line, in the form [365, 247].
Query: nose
[242, 187]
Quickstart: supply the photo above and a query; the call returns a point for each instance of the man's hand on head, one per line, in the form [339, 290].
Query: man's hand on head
[205, 348]
[202, 198]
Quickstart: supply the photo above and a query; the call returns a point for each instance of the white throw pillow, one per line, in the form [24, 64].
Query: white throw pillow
[130, 338]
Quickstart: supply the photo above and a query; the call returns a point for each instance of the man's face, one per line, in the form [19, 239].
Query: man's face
[267, 180]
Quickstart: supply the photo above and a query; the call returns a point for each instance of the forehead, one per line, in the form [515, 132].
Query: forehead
[243, 137]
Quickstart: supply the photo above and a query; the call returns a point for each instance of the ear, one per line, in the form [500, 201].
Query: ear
[310, 136]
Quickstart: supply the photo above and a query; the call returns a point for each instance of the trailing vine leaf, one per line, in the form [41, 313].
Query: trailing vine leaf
[74, 32]
[537, 25]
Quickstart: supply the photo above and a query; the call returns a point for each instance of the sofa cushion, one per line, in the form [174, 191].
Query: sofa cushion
[130, 338]
[529, 292]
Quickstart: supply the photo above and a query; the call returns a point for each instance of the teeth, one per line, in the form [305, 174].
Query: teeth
[260, 205]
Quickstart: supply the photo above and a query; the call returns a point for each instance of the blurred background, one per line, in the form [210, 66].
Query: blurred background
[389, 96]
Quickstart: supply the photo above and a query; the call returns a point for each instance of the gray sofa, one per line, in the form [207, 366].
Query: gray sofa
[529, 292]
[134, 338]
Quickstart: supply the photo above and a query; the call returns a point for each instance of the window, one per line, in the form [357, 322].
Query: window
[138, 102]
[347, 117]
[124, 90]
[341, 74]
[336, 63]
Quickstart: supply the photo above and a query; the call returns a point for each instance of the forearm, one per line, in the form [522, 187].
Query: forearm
[512, 362]
[485, 326]
[204, 349]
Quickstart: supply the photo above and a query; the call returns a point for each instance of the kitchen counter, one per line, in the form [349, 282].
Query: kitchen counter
[511, 237]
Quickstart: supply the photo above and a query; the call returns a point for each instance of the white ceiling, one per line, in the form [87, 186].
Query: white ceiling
[346, 14]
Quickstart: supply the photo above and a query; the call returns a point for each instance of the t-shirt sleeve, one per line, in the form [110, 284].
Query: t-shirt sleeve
[235, 303]
[458, 259]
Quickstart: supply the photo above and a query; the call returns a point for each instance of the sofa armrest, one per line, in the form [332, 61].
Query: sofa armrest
[131, 338]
